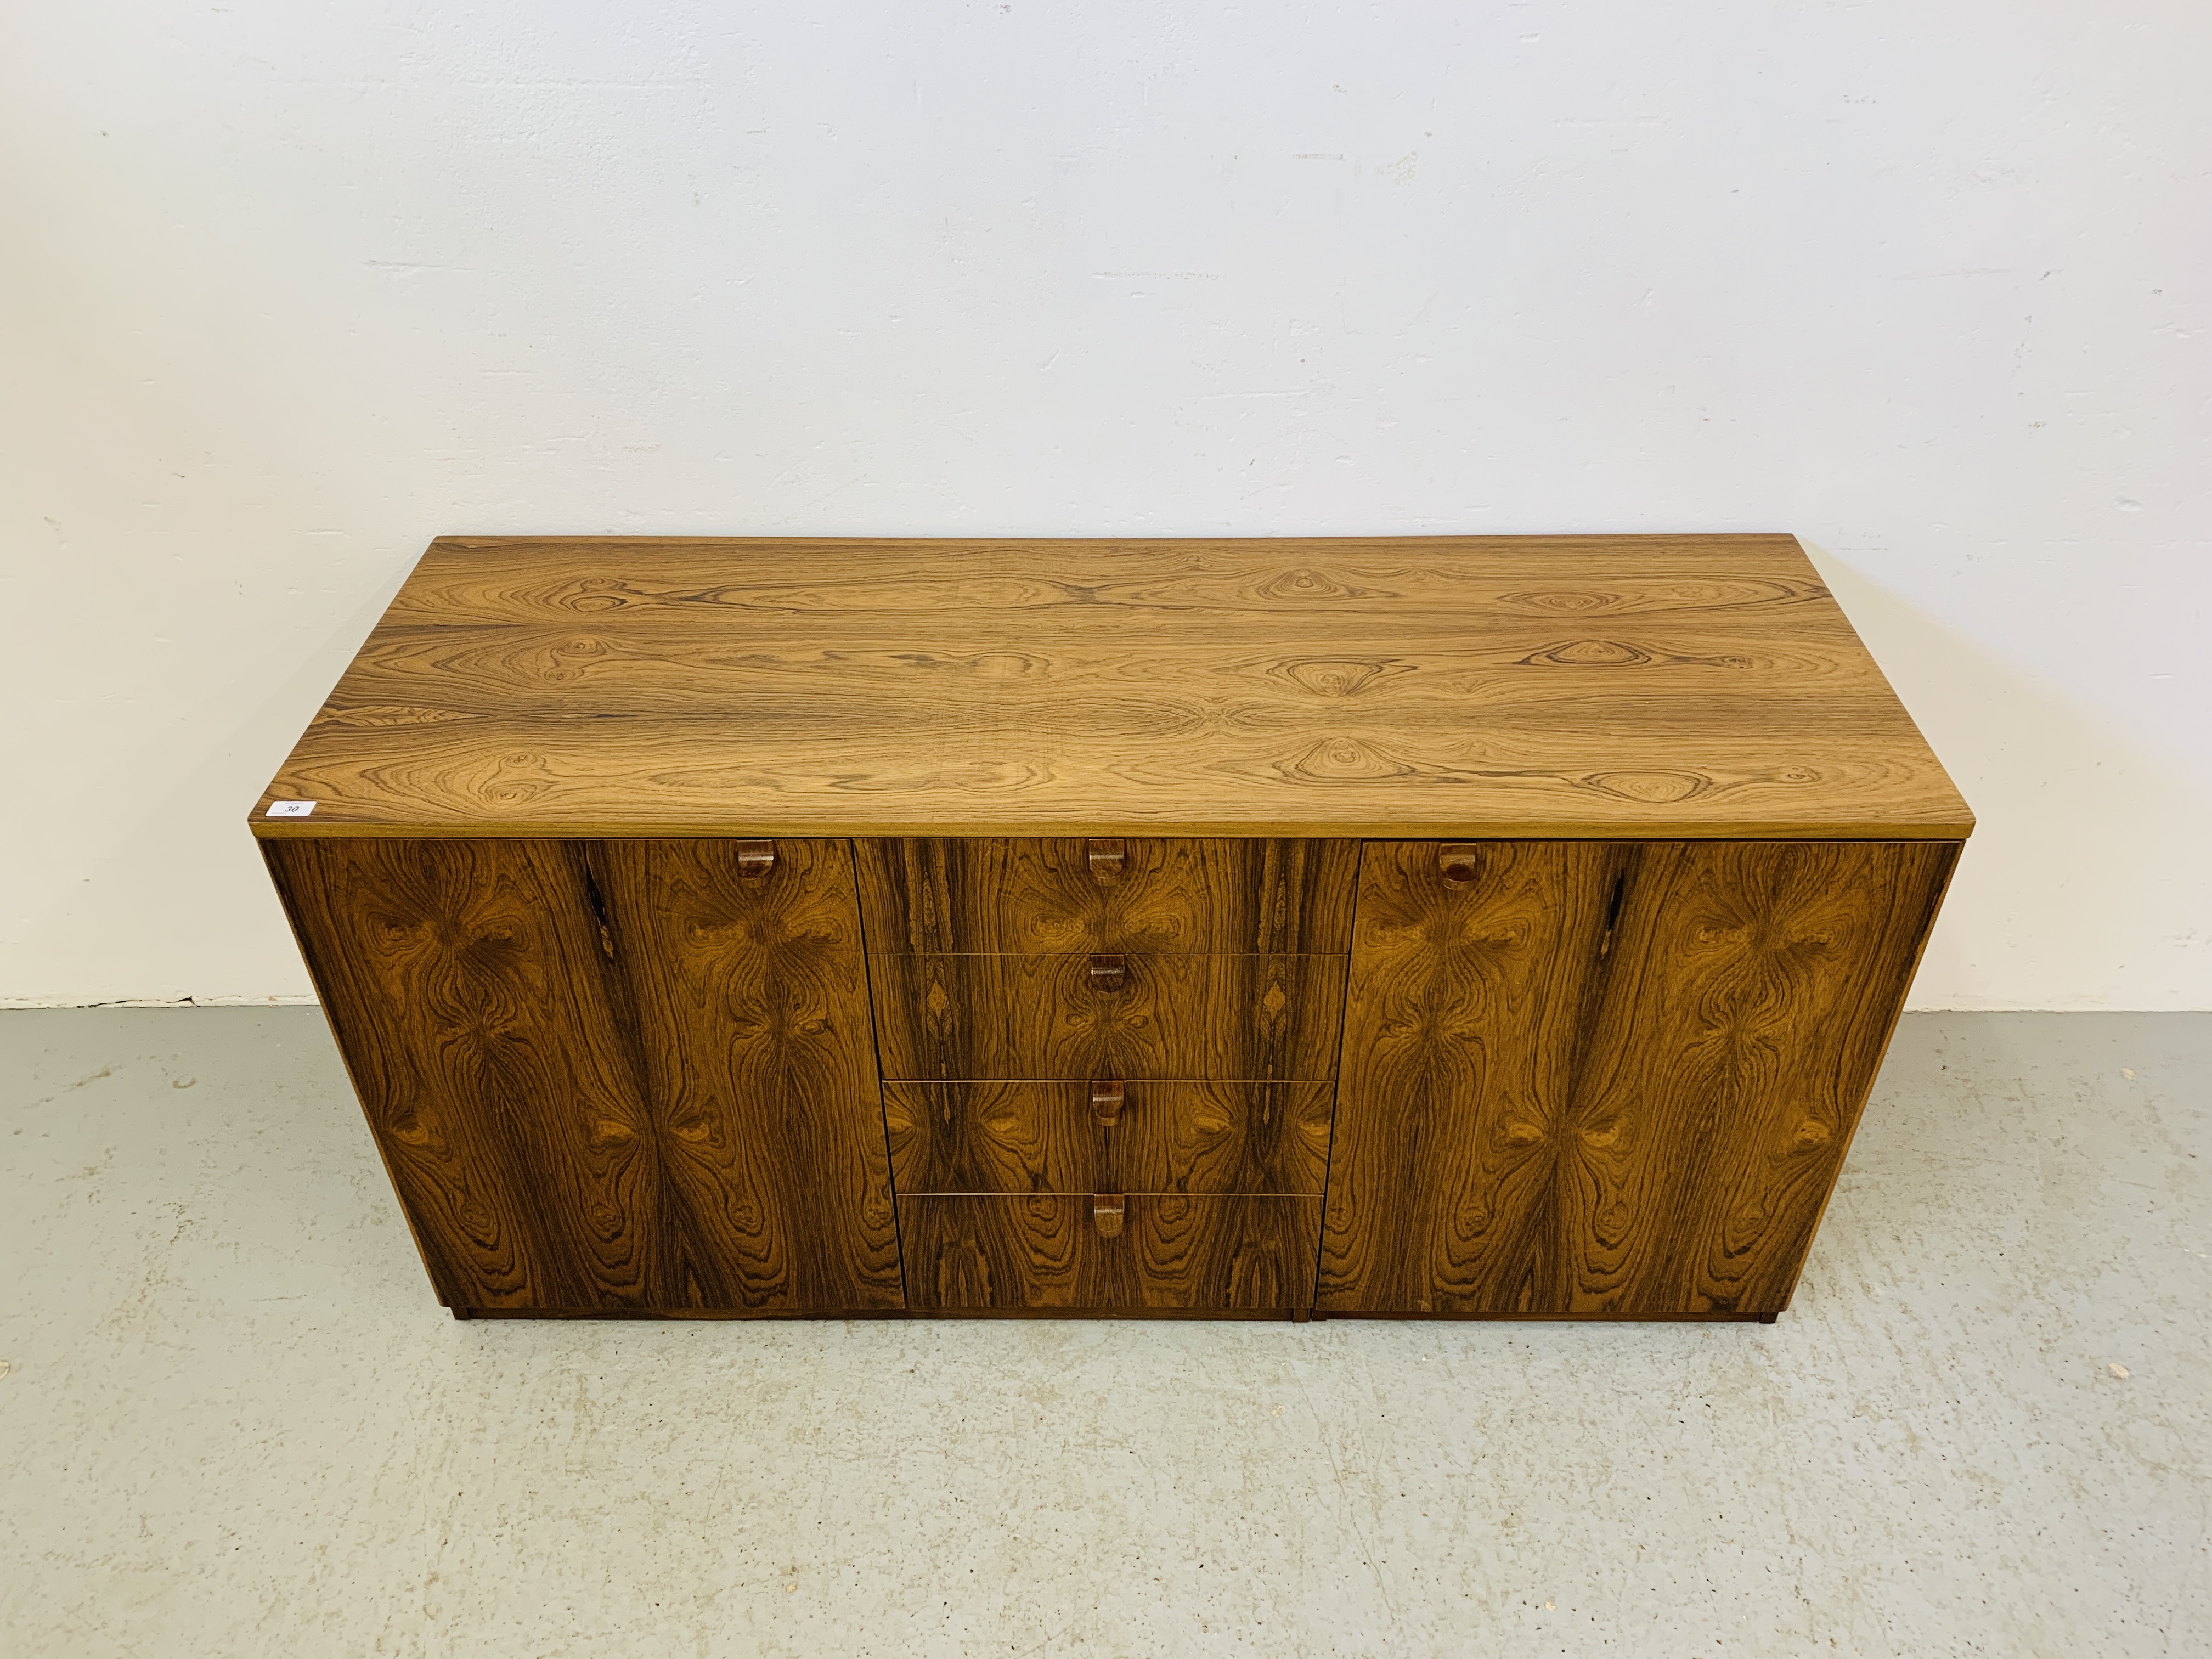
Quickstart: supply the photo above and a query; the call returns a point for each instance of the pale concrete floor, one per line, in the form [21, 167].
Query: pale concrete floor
[236, 1422]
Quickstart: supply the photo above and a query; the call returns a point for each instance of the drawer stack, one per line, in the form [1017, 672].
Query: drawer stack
[1108, 1065]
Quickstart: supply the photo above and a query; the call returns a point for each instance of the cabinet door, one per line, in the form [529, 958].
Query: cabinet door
[467, 986]
[1461, 1024]
[1597, 1077]
[610, 1076]
[751, 1010]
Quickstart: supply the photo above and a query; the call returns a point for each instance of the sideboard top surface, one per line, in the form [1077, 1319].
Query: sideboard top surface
[1575, 686]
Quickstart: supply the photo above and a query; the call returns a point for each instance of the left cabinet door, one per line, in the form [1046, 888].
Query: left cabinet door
[610, 1077]
[750, 988]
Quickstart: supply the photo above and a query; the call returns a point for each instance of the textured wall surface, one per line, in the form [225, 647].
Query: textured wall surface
[234, 1421]
[286, 290]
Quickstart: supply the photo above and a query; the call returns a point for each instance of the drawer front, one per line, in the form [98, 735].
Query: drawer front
[1058, 895]
[979, 1252]
[1167, 1137]
[960, 1018]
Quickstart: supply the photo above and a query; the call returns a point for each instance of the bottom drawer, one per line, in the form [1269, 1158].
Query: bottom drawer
[1232, 1252]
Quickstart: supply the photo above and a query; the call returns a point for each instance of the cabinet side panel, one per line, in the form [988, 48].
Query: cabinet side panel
[751, 1003]
[1462, 1015]
[1749, 995]
[462, 979]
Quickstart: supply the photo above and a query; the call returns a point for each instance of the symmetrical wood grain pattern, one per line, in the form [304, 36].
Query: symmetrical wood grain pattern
[1251, 1018]
[752, 1015]
[1462, 1026]
[467, 988]
[1749, 997]
[991, 1252]
[1129, 1038]
[1157, 894]
[1172, 1137]
[615, 1077]
[1568, 686]
[1609, 1078]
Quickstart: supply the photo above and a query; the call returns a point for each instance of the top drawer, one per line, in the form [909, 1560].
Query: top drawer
[1158, 893]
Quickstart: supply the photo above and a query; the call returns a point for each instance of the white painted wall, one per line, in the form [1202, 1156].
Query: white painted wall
[290, 289]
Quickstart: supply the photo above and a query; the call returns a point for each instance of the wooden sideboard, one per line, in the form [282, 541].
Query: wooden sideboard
[1489, 927]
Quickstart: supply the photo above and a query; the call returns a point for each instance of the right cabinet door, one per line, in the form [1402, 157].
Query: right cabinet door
[1608, 1078]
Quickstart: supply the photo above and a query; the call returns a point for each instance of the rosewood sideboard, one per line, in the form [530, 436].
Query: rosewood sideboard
[1493, 926]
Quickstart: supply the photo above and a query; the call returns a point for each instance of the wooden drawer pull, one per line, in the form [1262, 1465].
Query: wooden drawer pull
[755, 858]
[1106, 857]
[1107, 1210]
[1108, 1095]
[1459, 862]
[1108, 973]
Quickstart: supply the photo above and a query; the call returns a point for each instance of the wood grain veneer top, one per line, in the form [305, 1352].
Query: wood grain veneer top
[1579, 686]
